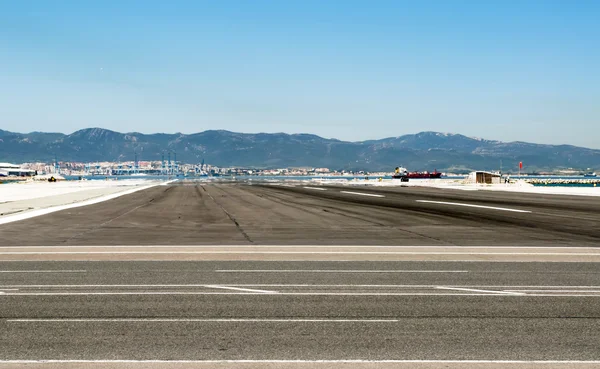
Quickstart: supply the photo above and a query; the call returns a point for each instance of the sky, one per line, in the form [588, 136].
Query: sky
[352, 70]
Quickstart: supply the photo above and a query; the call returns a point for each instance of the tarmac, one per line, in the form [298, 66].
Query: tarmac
[239, 214]
[295, 276]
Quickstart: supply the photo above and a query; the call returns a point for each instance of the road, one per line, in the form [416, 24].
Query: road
[208, 276]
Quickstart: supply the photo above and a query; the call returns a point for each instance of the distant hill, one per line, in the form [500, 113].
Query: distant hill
[422, 151]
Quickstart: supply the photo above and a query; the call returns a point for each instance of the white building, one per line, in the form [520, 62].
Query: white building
[13, 170]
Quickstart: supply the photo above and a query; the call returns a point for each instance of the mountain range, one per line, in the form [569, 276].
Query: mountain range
[421, 151]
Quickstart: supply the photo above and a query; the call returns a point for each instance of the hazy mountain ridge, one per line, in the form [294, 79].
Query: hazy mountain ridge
[421, 151]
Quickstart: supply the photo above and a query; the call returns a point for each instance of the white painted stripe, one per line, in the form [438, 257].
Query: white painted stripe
[238, 289]
[473, 206]
[362, 194]
[483, 294]
[342, 361]
[300, 252]
[169, 182]
[336, 271]
[477, 290]
[583, 288]
[43, 271]
[315, 188]
[119, 285]
[166, 293]
[557, 291]
[39, 212]
[203, 320]
[309, 246]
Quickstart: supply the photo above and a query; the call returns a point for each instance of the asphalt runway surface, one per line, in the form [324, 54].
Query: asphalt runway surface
[239, 214]
[168, 310]
[295, 277]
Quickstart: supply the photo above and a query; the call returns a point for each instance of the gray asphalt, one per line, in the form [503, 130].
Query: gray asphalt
[172, 310]
[305, 310]
[197, 214]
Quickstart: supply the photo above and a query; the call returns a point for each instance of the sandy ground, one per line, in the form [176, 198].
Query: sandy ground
[16, 198]
[32, 190]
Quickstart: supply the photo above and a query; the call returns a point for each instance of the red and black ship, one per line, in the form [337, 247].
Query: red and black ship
[402, 173]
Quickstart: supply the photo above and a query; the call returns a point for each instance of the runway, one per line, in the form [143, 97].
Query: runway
[243, 276]
[239, 214]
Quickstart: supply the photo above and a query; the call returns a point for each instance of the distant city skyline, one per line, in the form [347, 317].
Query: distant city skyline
[351, 70]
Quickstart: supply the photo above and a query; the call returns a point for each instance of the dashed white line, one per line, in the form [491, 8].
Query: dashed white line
[203, 320]
[238, 289]
[336, 271]
[315, 188]
[362, 194]
[473, 206]
[555, 291]
[43, 271]
[478, 290]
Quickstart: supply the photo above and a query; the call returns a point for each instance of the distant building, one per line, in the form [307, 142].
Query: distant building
[13, 170]
[484, 177]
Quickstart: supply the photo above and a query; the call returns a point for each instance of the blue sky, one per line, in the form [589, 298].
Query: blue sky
[353, 70]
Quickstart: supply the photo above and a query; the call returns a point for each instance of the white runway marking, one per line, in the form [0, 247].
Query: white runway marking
[315, 188]
[338, 271]
[238, 289]
[499, 287]
[477, 290]
[306, 246]
[168, 182]
[362, 194]
[473, 206]
[298, 252]
[43, 271]
[591, 362]
[582, 288]
[481, 294]
[302, 290]
[129, 285]
[282, 294]
[201, 320]
[555, 291]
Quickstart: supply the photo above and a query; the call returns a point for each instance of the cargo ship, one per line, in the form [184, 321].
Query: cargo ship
[405, 175]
